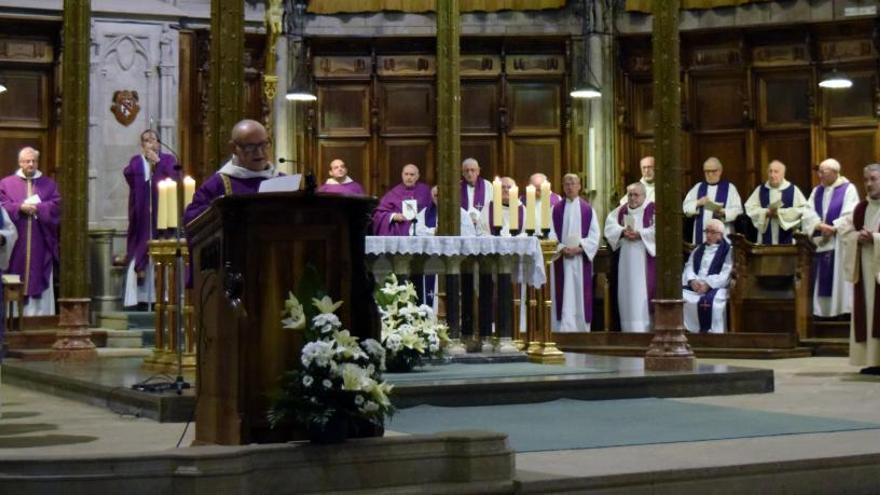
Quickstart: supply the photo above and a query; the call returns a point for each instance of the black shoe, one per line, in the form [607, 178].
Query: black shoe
[870, 370]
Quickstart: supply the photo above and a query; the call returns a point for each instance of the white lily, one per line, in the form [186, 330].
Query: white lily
[297, 317]
[326, 305]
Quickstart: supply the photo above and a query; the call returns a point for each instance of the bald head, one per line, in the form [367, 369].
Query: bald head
[409, 175]
[250, 143]
[776, 173]
[829, 171]
[338, 170]
[646, 165]
[635, 195]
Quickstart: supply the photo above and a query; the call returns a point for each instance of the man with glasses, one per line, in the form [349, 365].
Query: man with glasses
[705, 280]
[243, 173]
[646, 165]
[712, 198]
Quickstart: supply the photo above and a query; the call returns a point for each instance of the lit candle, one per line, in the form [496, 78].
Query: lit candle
[514, 208]
[530, 207]
[171, 198]
[545, 205]
[162, 207]
[189, 189]
[496, 202]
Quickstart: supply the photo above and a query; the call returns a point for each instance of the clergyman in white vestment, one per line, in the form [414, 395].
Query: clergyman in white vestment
[629, 230]
[704, 281]
[712, 198]
[577, 230]
[646, 164]
[776, 207]
[830, 203]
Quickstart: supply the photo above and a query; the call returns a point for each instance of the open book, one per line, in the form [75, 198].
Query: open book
[713, 206]
[776, 204]
[11, 278]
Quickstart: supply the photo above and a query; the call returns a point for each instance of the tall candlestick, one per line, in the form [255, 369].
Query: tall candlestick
[162, 207]
[189, 189]
[545, 205]
[171, 195]
[496, 202]
[530, 207]
[514, 208]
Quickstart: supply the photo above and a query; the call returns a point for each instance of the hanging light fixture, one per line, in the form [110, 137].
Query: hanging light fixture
[300, 88]
[2, 85]
[835, 80]
[585, 88]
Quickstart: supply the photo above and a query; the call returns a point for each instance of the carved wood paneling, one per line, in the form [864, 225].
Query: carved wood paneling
[355, 154]
[530, 155]
[396, 153]
[26, 102]
[731, 150]
[353, 67]
[406, 65]
[847, 50]
[479, 66]
[479, 107]
[35, 51]
[407, 108]
[781, 55]
[535, 65]
[716, 102]
[784, 99]
[791, 148]
[853, 149]
[343, 110]
[854, 105]
[485, 151]
[716, 57]
[643, 107]
[13, 140]
[534, 108]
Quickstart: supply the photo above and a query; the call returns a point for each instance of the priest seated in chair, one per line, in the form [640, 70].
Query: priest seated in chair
[705, 280]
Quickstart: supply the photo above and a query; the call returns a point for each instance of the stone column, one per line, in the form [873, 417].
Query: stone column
[169, 51]
[106, 291]
[505, 308]
[448, 117]
[667, 147]
[453, 303]
[226, 76]
[73, 339]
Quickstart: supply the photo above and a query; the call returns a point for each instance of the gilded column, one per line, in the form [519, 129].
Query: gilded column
[225, 77]
[669, 349]
[448, 116]
[73, 338]
[274, 17]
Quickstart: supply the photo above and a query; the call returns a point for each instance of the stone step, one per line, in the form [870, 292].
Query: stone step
[126, 320]
[115, 321]
[699, 352]
[124, 338]
[830, 329]
[828, 346]
[123, 352]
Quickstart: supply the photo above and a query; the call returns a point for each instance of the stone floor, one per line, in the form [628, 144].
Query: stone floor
[37, 425]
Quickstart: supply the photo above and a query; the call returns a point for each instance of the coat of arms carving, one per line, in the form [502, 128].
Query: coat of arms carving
[125, 106]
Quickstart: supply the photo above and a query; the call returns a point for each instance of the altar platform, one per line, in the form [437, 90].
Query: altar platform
[108, 383]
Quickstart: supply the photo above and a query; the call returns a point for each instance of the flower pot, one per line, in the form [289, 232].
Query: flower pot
[335, 430]
[362, 428]
[403, 361]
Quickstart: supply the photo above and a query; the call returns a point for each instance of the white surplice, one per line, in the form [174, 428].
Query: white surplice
[840, 301]
[573, 319]
[732, 208]
[863, 262]
[632, 276]
[718, 281]
[786, 218]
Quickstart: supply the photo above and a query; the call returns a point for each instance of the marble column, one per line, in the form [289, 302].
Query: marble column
[73, 339]
[226, 76]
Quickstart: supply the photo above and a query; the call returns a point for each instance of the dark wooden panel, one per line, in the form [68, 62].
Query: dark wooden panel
[855, 104]
[792, 149]
[398, 152]
[407, 108]
[716, 103]
[355, 154]
[343, 110]
[643, 107]
[731, 150]
[25, 103]
[485, 151]
[11, 141]
[784, 99]
[528, 156]
[479, 107]
[534, 108]
[854, 149]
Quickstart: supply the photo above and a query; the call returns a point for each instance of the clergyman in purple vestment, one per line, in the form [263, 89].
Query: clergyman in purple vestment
[536, 180]
[476, 194]
[339, 181]
[33, 203]
[394, 213]
[577, 230]
[143, 174]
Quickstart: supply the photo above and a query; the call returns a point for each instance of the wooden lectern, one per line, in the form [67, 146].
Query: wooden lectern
[248, 252]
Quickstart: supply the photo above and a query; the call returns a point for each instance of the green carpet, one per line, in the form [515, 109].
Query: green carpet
[460, 371]
[572, 424]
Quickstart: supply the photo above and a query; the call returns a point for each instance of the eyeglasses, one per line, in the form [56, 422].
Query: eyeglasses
[707, 231]
[253, 147]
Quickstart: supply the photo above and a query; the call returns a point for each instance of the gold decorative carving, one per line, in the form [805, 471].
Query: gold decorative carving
[765, 56]
[26, 50]
[406, 65]
[480, 65]
[535, 64]
[639, 63]
[270, 87]
[125, 106]
[342, 67]
[846, 50]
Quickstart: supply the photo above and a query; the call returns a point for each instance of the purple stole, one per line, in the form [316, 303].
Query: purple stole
[823, 263]
[431, 215]
[650, 261]
[521, 214]
[586, 219]
[785, 236]
[479, 194]
[720, 197]
[860, 328]
[704, 305]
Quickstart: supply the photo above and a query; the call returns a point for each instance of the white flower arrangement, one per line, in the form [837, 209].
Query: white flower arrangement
[410, 332]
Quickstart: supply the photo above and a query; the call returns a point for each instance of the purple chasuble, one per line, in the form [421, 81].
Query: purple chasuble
[823, 263]
[479, 194]
[39, 233]
[347, 189]
[558, 216]
[720, 198]
[213, 188]
[650, 261]
[522, 213]
[142, 200]
[785, 236]
[704, 305]
[392, 202]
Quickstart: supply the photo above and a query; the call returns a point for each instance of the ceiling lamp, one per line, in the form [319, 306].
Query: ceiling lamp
[835, 80]
[585, 90]
[301, 88]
